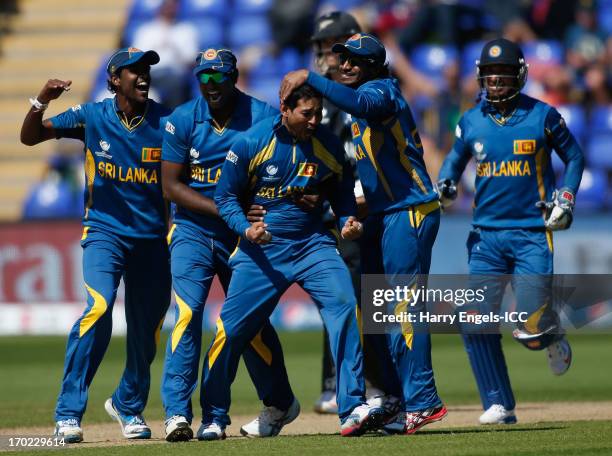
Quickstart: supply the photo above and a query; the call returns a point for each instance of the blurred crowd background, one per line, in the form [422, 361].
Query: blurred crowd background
[432, 47]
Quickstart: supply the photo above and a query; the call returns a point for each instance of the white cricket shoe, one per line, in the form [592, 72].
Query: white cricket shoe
[497, 414]
[178, 429]
[70, 430]
[211, 431]
[270, 421]
[132, 426]
[559, 356]
[327, 403]
[363, 418]
[375, 397]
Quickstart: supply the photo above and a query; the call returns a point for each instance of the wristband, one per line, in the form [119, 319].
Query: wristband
[38, 106]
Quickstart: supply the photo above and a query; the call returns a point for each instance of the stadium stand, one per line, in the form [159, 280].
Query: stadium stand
[72, 39]
[62, 39]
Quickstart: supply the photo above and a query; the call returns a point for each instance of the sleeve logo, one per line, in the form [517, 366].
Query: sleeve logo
[307, 169]
[355, 129]
[170, 128]
[151, 154]
[231, 156]
[76, 108]
[524, 146]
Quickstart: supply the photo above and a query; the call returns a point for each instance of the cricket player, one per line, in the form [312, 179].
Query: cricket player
[276, 157]
[125, 224]
[331, 28]
[403, 211]
[511, 136]
[197, 137]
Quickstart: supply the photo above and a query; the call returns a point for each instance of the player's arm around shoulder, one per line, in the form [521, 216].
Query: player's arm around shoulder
[34, 130]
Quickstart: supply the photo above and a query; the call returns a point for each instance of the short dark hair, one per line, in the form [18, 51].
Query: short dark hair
[305, 91]
[109, 84]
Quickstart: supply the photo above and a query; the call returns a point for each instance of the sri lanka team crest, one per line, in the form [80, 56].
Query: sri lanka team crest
[355, 129]
[524, 146]
[308, 169]
[495, 51]
[210, 54]
[151, 154]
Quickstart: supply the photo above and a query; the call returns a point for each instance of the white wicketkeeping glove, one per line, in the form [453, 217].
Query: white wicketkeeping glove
[559, 211]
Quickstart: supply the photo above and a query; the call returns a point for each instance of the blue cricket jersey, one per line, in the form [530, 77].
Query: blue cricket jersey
[192, 138]
[123, 192]
[388, 148]
[513, 164]
[266, 165]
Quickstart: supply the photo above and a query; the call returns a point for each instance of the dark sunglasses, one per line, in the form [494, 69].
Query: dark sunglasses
[354, 61]
[217, 77]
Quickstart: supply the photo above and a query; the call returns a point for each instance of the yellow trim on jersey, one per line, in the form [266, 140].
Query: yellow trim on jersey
[325, 156]
[503, 120]
[158, 331]
[371, 141]
[262, 350]
[418, 213]
[236, 248]
[220, 129]
[217, 344]
[263, 155]
[400, 141]
[94, 314]
[90, 176]
[185, 315]
[85, 231]
[549, 240]
[406, 326]
[540, 165]
[170, 233]
[128, 123]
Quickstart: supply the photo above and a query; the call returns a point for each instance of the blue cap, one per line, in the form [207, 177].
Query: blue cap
[362, 45]
[222, 60]
[128, 56]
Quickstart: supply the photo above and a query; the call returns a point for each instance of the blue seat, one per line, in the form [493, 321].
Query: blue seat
[129, 31]
[549, 52]
[471, 53]
[599, 154]
[604, 17]
[277, 66]
[601, 119]
[195, 9]
[575, 119]
[98, 89]
[251, 6]
[210, 32]
[52, 200]
[249, 30]
[431, 60]
[144, 10]
[593, 190]
[265, 89]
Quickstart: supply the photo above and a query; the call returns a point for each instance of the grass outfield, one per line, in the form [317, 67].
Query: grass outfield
[566, 438]
[31, 368]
